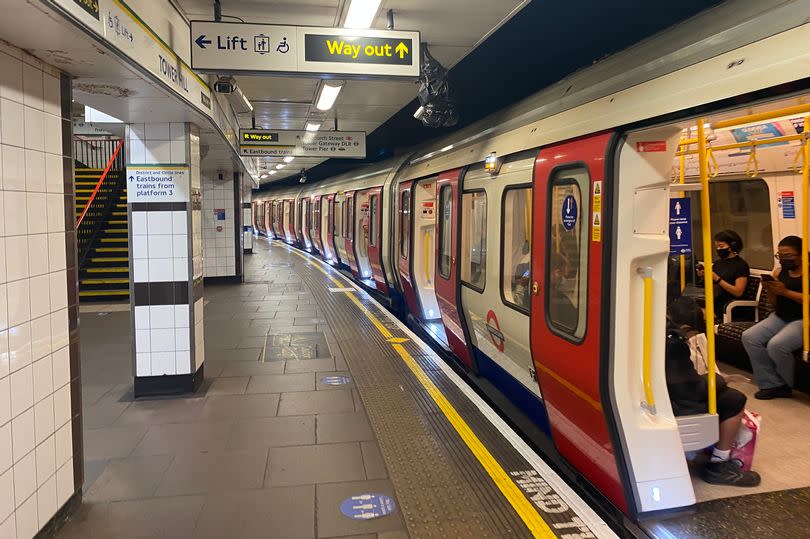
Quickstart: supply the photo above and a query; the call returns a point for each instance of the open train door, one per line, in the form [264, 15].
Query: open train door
[566, 295]
[375, 239]
[447, 277]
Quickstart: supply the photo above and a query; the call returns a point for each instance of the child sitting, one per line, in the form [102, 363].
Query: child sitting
[689, 395]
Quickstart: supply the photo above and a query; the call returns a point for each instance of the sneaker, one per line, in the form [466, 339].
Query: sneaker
[728, 473]
[774, 393]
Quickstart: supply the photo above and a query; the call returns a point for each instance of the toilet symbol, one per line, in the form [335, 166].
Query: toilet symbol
[283, 47]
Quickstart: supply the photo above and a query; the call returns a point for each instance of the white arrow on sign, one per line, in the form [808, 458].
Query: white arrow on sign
[568, 207]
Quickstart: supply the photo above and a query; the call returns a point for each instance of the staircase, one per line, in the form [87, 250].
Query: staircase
[103, 234]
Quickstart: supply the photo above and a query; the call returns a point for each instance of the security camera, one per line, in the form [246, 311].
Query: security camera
[303, 178]
[225, 85]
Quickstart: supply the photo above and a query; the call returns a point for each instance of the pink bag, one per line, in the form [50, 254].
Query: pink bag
[742, 451]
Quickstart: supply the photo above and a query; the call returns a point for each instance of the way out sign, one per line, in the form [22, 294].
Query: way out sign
[680, 226]
[225, 47]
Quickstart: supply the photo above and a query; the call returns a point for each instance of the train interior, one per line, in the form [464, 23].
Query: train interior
[755, 166]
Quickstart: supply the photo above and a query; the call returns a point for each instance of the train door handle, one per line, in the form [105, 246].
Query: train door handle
[535, 288]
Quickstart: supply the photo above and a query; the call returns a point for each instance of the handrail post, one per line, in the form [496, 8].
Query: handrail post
[646, 274]
[805, 255]
[682, 180]
[708, 281]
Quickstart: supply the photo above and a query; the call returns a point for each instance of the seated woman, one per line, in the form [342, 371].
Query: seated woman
[730, 272]
[771, 342]
[689, 395]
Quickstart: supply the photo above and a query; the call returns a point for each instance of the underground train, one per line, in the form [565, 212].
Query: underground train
[534, 245]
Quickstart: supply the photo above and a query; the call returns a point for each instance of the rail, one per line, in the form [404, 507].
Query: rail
[100, 181]
[646, 342]
[427, 257]
[708, 282]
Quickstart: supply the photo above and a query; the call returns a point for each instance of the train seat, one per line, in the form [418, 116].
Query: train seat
[748, 301]
[698, 431]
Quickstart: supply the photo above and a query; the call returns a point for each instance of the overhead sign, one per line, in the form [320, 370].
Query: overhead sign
[680, 226]
[276, 143]
[157, 184]
[226, 47]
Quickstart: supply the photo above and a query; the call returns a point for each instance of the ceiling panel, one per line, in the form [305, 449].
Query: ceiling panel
[293, 12]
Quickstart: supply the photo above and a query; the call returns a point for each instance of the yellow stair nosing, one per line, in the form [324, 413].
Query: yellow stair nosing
[124, 269]
[96, 293]
[114, 240]
[112, 249]
[116, 230]
[110, 259]
[104, 281]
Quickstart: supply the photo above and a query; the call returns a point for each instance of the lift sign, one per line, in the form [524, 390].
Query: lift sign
[680, 226]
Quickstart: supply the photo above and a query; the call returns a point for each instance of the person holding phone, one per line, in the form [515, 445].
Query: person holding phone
[771, 343]
[729, 273]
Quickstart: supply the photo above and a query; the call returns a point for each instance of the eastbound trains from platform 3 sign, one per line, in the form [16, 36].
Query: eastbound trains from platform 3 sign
[533, 247]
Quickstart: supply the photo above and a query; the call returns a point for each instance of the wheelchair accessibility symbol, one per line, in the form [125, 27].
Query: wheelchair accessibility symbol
[283, 47]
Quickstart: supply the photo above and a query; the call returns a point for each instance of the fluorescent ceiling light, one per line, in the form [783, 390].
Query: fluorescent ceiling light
[329, 93]
[361, 13]
[288, 159]
[280, 166]
[311, 126]
[265, 176]
[272, 171]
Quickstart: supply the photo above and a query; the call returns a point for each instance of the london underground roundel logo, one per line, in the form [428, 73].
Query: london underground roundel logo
[494, 330]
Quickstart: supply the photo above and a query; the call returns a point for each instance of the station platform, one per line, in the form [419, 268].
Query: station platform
[322, 415]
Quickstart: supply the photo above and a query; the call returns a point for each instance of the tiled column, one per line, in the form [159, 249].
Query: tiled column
[247, 219]
[222, 227]
[41, 456]
[166, 257]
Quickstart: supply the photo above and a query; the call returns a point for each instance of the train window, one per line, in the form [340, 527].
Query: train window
[372, 221]
[743, 206]
[445, 230]
[516, 226]
[474, 240]
[567, 252]
[404, 223]
[350, 219]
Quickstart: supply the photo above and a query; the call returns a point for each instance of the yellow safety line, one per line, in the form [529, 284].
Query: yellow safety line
[522, 506]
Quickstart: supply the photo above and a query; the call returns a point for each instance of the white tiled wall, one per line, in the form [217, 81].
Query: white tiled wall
[36, 467]
[159, 246]
[151, 144]
[219, 252]
[162, 340]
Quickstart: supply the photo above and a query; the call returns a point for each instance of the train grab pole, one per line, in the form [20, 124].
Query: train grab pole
[681, 180]
[805, 255]
[708, 281]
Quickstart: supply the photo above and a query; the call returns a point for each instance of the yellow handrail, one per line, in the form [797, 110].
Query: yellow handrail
[427, 256]
[746, 144]
[708, 281]
[681, 180]
[646, 347]
[805, 256]
[770, 115]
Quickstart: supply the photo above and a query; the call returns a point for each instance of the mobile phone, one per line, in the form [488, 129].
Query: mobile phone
[767, 277]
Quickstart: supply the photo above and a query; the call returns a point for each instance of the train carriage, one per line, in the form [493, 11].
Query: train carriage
[534, 246]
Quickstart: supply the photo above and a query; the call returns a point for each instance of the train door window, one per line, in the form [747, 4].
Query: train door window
[372, 221]
[516, 230]
[743, 206]
[445, 230]
[474, 240]
[350, 219]
[567, 252]
[404, 223]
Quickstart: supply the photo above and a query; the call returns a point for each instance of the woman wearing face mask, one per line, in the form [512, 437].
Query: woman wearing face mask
[730, 272]
[771, 342]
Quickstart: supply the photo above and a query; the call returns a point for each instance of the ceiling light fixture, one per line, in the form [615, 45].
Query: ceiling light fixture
[271, 171]
[361, 13]
[280, 166]
[328, 95]
[312, 126]
[288, 159]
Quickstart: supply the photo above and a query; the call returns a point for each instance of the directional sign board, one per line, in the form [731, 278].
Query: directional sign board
[680, 226]
[226, 47]
[276, 143]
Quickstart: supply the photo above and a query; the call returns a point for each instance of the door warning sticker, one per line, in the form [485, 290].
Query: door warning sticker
[596, 227]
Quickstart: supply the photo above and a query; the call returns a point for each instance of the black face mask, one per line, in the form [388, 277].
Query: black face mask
[787, 264]
[723, 253]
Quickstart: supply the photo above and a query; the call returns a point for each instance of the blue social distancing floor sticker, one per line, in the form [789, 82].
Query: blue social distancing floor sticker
[367, 506]
[335, 380]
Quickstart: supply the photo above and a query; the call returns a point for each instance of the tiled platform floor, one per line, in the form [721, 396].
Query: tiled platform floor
[265, 449]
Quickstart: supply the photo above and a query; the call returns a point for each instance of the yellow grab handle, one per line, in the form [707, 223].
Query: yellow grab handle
[805, 231]
[706, 222]
[646, 347]
[427, 257]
